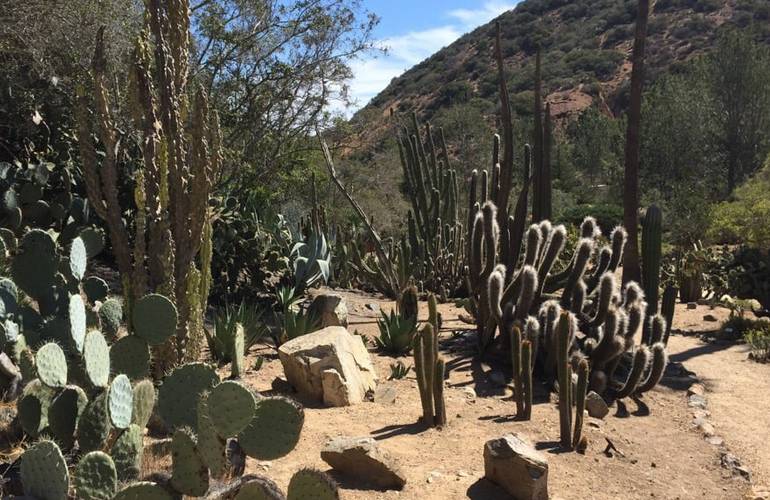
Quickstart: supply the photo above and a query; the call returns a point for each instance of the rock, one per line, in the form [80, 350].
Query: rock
[715, 440]
[702, 302]
[596, 405]
[385, 394]
[515, 465]
[362, 458]
[706, 428]
[696, 401]
[469, 393]
[433, 475]
[330, 309]
[373, 307]
[692, 305]
[710, 318]
[329, 365]
[696, 389]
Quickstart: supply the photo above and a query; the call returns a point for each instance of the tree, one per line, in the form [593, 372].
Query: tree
[631, 268]
[272, 68]
[740, 70]
[594, 137]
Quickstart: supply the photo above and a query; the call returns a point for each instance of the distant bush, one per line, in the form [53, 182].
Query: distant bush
[745, 218]
[607, 215]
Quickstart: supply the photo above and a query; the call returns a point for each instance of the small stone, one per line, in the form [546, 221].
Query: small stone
[706, 428]
[469, 393]
[715, 440]
[696, 389]
[702, 302]
[696, 401]
[462, 473]
[517, 467]
[692, 305]
[596, 405]
[653, 465]
[362, 458]
[373, 307]
[433, 475]
[385, 395]
[710, 318]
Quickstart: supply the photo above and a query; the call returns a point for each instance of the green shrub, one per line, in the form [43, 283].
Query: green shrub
[745, 218]
[759, 341]
[607, 215]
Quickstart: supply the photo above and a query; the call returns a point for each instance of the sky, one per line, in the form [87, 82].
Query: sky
[412, 30]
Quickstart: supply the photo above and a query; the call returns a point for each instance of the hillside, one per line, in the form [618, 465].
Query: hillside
[585, 46]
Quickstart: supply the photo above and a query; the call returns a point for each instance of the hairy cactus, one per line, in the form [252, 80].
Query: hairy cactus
[430, 370]
[578, 440]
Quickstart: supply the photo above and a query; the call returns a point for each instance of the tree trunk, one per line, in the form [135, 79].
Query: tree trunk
[631, 268]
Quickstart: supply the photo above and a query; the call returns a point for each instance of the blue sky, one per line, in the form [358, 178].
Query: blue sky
[412, 30]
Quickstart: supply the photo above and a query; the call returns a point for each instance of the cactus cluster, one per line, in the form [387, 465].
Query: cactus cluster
[434, 246]
[430, 369]
[170, 250]
[208, 414]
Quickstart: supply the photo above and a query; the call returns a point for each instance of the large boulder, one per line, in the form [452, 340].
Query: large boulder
[330, 309]
[329, 365]
[362, 459]
[517, 467]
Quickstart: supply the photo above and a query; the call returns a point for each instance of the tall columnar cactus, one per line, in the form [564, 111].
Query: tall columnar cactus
[180, 165]
[652, 231]
[434, 231]
[579, 441]
[565, 331]
[430, 370]
[541, 152]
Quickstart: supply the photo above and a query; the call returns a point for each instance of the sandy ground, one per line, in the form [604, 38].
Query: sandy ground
[663, 454]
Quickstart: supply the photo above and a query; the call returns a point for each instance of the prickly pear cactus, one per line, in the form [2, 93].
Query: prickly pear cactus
[120, 401]
[275, 429]
[33, 407]
[96, 358]
[178, 395]
[210, 446]
[94, 425]
[311, 484]
[154, 318]
[35, 265]
[259, 488]
[44, 473]
[110, 317]
[51, 365]
[231, 407]
[131, 355]
[144, 402]
[96, 289]
[127, 453]
[190, 475]
[96, 477]
[64, 412]
[143, 490]
[77, 322]
[78, 258]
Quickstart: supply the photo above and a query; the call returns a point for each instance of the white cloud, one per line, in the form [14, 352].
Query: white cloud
[471, 18]
[373, 74]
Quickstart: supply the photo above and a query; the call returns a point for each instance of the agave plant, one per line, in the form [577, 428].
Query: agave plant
[292, 321]
[226, 321]
[396, 333]
[312, 261]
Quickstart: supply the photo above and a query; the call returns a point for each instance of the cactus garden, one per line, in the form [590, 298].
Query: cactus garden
[534, 266]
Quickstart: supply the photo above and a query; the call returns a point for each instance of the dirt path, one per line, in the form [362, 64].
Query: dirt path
[737, 391]
[663, 455]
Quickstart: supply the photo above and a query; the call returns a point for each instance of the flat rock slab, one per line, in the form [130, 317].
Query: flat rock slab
[329, 365]
[361, 458]
[516, 466]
